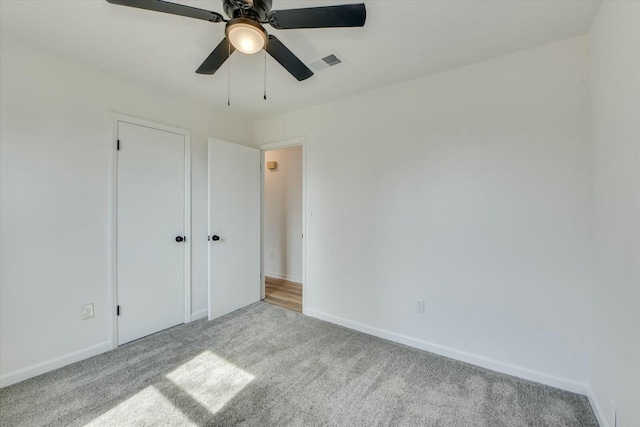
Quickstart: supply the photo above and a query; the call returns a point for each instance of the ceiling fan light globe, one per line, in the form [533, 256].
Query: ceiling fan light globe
[246, 38]
[247, 45]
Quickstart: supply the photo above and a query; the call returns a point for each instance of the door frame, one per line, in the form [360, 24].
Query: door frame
[277, 145]
[116, 118]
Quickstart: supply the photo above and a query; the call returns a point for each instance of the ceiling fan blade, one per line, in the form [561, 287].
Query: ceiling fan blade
[172, 8]
[215, 60]
[348, 15]
[287, 59]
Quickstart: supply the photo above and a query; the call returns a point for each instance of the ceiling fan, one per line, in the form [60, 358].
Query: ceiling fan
[244, 30]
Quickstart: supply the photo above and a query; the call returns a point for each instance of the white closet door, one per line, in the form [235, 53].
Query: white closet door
[234, 227]
[150, 224]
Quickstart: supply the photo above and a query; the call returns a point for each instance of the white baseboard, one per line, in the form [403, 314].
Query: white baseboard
[597, 409]
[199, 314]
[474, 359]
[50, 365]
[295, 279]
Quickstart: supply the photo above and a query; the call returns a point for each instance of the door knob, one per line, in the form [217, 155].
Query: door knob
[215, 238]
[180, 239]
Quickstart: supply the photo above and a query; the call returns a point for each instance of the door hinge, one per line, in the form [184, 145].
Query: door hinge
[118, 145]
[118, 310]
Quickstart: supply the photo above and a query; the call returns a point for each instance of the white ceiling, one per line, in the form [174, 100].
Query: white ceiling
[401, 40]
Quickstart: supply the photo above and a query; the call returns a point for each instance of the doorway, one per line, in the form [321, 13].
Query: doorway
[283, 224]
[152, 227]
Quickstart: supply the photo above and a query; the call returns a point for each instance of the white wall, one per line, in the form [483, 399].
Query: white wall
[57, 144]
[283, 214]
[614, 44]
[470, 189]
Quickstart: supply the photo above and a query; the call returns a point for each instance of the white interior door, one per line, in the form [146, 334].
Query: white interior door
[150, 218]
[234, 227]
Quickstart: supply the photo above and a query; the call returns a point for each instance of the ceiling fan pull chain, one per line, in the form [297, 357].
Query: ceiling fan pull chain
[265, 74]
[229, 75]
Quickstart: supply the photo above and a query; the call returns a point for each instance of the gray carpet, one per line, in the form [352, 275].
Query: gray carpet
[265, 365]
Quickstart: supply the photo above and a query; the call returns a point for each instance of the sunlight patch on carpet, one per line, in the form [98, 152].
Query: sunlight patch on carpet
[210, 380]
[149, 407]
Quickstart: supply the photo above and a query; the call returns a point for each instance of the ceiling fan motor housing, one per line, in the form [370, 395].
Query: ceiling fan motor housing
[251, 9]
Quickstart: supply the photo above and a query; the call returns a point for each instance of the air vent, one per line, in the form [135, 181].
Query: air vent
[331, 60]
[326, 62]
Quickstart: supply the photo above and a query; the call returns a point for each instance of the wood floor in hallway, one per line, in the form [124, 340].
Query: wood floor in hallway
[283, 293]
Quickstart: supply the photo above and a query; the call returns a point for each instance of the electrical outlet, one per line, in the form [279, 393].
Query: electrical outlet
[86, 311]
[613, 413]
[420, 306]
